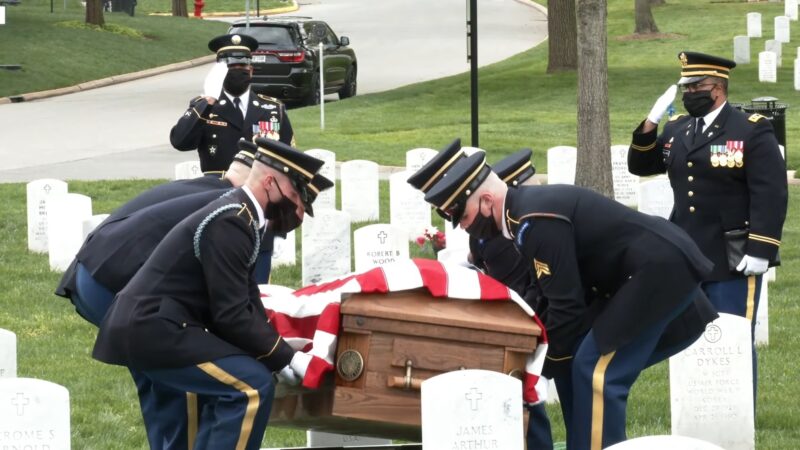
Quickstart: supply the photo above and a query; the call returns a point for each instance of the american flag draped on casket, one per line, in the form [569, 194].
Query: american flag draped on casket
[309, 318]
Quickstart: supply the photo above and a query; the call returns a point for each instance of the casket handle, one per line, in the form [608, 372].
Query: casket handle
[406, 382]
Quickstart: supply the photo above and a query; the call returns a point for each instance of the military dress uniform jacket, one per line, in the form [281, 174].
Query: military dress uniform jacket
[215, 129]
[195, 299]
[732, 177]
[92, 256]
[498, 258]
[603, 266]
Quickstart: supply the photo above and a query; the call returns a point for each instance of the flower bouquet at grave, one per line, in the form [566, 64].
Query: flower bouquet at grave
[433, 237]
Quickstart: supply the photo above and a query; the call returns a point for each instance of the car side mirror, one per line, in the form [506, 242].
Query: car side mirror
[344, 40]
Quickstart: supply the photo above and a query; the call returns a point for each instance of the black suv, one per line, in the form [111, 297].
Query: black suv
[286, 64]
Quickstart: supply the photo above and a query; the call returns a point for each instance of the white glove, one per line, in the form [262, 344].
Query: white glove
[212, 85]
[294, 372]
[662, 104]
[752, 265]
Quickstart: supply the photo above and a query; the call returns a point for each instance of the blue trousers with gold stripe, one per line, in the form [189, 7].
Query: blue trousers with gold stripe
[600, 384]
[235, 394]
[739, 297]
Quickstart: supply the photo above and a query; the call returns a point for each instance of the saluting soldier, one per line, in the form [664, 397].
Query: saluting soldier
[727, 176]
[496, 256]
[215, 122]
[613, 281]
[117, 248]
[191, 319]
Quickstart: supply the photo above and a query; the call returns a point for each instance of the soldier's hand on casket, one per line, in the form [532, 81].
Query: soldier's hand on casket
[288, 376]
[294, 371]
[662, 104]
[752, 265]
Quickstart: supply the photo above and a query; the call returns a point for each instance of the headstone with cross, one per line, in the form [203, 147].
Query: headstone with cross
[711, 386]
[408, 209]
[8, 354]
[66, 213]
[187, 170]
[326, 198]
[34, 414]
[37, 192]
[379, 244]
[472, 409]
[418, 157]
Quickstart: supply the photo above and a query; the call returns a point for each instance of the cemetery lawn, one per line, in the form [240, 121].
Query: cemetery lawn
[522, 106]
[55, 344]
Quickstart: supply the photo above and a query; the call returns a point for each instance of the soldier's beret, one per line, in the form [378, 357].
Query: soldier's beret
[233, 48]
[450, 194]
[697, 66]
[515, 168]
[424, 178]
[299, 167]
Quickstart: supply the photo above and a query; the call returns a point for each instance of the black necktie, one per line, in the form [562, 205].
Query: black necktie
[699, 130]
[237, 100]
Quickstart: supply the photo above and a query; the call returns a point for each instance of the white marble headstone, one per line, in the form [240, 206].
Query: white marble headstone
[552, 392]
[655, 197]
[37, 192]
[774, 46]
[561, 162]
[626, 184]
[711, 386]
[284, 251]
[187, 170]
[418, 157]
[322, 439]
[664, 443]
[2, 15]
[741, 49]
[472, 409]
[91, 223]
[408, 209]
[771, 273]
[326, 246]
[797, 73]
[790, 9]
[762, 314]
[8, 354]
[754, 24]
[454, 255]
[379, 244]
[767, 67]
[34, 414]
[455, 237]
[782, 29]
[360, 196]
[326, 198]
[66, 213]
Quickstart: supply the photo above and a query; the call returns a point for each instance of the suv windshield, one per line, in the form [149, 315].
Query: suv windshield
[269, 35]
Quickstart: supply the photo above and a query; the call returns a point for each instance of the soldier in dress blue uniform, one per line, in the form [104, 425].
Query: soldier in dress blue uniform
[191, 319]
[117, 248]
[496, 256]
[214, 125]
[613, 281]
[727, 175]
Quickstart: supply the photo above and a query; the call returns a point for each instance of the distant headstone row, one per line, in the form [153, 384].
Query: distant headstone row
[771, 58]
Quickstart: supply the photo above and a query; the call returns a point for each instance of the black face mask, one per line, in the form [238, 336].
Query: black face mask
[282, 215]
[698, 103]
[483, 227]
[236, 81]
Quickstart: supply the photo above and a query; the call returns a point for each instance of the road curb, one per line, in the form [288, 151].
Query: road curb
[121, 78]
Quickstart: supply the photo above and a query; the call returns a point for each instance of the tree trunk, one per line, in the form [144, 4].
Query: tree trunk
[562, 36]
[179, 8]
[645, 23]
[594, 136]
[94, 12]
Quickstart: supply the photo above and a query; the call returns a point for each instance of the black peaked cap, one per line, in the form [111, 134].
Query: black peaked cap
[515, 168]
[424, 178]
[450, 194]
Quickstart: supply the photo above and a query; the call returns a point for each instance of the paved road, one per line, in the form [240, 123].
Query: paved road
[122, 131]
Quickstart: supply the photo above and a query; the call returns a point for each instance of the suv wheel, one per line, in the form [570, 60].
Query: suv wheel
[313, 97]
[350, 84]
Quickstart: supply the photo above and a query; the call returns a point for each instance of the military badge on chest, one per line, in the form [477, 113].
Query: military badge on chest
[729, 155]
[269, 129]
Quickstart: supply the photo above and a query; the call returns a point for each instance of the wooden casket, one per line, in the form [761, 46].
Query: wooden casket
[390, 343]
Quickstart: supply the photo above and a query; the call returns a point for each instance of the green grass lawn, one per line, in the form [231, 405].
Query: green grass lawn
[55, 344]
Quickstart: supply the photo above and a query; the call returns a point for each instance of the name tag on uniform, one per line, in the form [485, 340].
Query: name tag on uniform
[218, 123]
